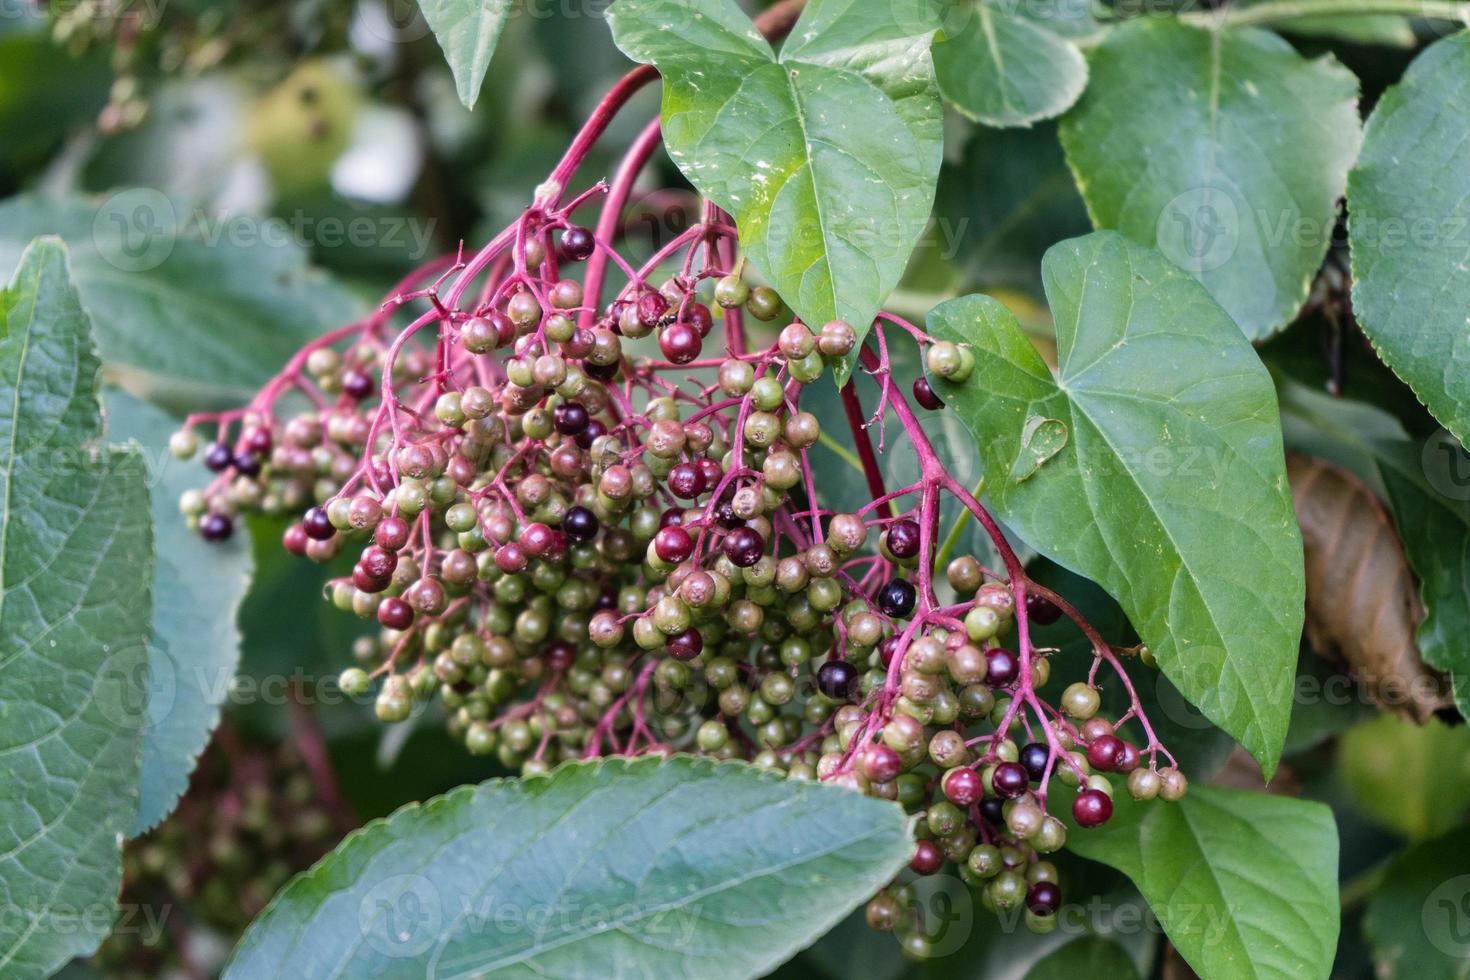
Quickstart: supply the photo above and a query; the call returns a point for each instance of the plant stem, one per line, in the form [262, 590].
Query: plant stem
[1277, 10]
[855, 422]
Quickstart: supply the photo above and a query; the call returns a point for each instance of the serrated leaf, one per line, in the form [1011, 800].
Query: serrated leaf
[646, 867]
[827, 155]
[1412, 779]
[76, 563]
[467, 31]
[1003, 69]
[1244, 884]
[1171, 491]
[1425, 895]
[1229, 155]
[1428, 489]
[1409, 231]
[1362, 603]
[184, 309]
[197, 588]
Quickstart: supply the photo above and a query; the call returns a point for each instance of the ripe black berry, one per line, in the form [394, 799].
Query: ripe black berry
[1001, 667]
[992, 809]
[686, 645]
[577, 243]
[925, 396]
[1010, 780]
[1041, 609]
[1044, 898]
[216, 527]
[218, 458]
[743, 547]
[580, 524]
[837, 679]
[570, 419]
[1092, 808]
[686, 481]
[357, 384]
[1034, 757]
[896, 598]
[317, 525]
[247, 464]
[903, 539]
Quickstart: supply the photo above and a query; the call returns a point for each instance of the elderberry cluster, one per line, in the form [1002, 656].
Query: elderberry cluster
[580, 535]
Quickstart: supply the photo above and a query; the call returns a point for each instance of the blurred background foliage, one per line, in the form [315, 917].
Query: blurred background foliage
[330, 115]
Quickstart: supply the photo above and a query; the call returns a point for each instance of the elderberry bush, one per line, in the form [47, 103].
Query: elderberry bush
[577, 544]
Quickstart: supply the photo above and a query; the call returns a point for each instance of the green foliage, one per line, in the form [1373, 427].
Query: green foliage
[647, 867]
[1417, 915]
[1244, 884]
[1409, 204]
[468, 31]
[76, 569]
[1412, 779]
[1173, 445]
[1003, 68]
[1228, 153]
[827, 155]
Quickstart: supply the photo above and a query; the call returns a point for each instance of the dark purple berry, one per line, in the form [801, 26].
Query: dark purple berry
[577, 243]
[580, 524]
[726, 517]
[378, 561]
[1044, 898]
[673, 545]
[837, 679]
[962, 786]
[1001, 667]
[651, 308]
[247, 464]
[216, 527]
[1041, 610]
[591, 434]
[927, 859]
[357, 384]
[743, 546]
[992, 809]
[686, 481]
[896, 598]
[1103, 753]
[686, 645]
[925, 396]
[698, 317]
[903, 539]
[218, 458]
[259, 441]
[395, 614]
[1010, 780]
[1034, 757]
[570, 419]
[679, 342]
[317, 525]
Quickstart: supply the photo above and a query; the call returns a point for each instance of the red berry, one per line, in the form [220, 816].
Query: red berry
[743, 546]
[366, 581]
[1128, 758]
[673, 545]
[679, 342]
[1103, 753]
[1010, 780]
[294, 540]
[927, 859]
[317, 525]
[925, 396]
[651, 308]
[880, 763]
[391, 533]
[1092, 808]
[379, 562]
[395, 614]
[686, 645]
[1001, 667]
[686, 481]
[962, 786]
[698, 316]
[903, 538]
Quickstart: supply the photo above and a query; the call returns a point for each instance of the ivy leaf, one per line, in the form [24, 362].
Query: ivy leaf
[1003, 69]
[644, 867]
[1229, 154]
[76, 563]
[185, 310]
[1409, 211]
[467, 31]
[197, 588]
[1090, 956]
[1423, 896]
[1171, 490]
[827, 155]
[1244, 884]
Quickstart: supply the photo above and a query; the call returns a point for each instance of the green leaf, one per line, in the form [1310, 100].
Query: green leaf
[468, 31]
[1244, 884]
[827, 156]
[76, 563]
[1090, 956]
[186, 309]
[1428, 490]
[197, 588]
[1003, 69]
[1229, 154]
[645, 867]
[1412, 779]
[1409, 229]
[1171, 490]
[1425, 895]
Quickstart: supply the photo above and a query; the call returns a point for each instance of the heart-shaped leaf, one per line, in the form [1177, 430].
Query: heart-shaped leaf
[197, 588]
[1409, 230]
[1004, 69]
[647, 867]
[76, 566]
[827, 155]
[1229, 154]
[1171, 489]
[1244, 884]
[185, 309]
[467, 31]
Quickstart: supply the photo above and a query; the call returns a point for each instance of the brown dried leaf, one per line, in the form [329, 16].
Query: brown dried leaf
[1362, 602]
